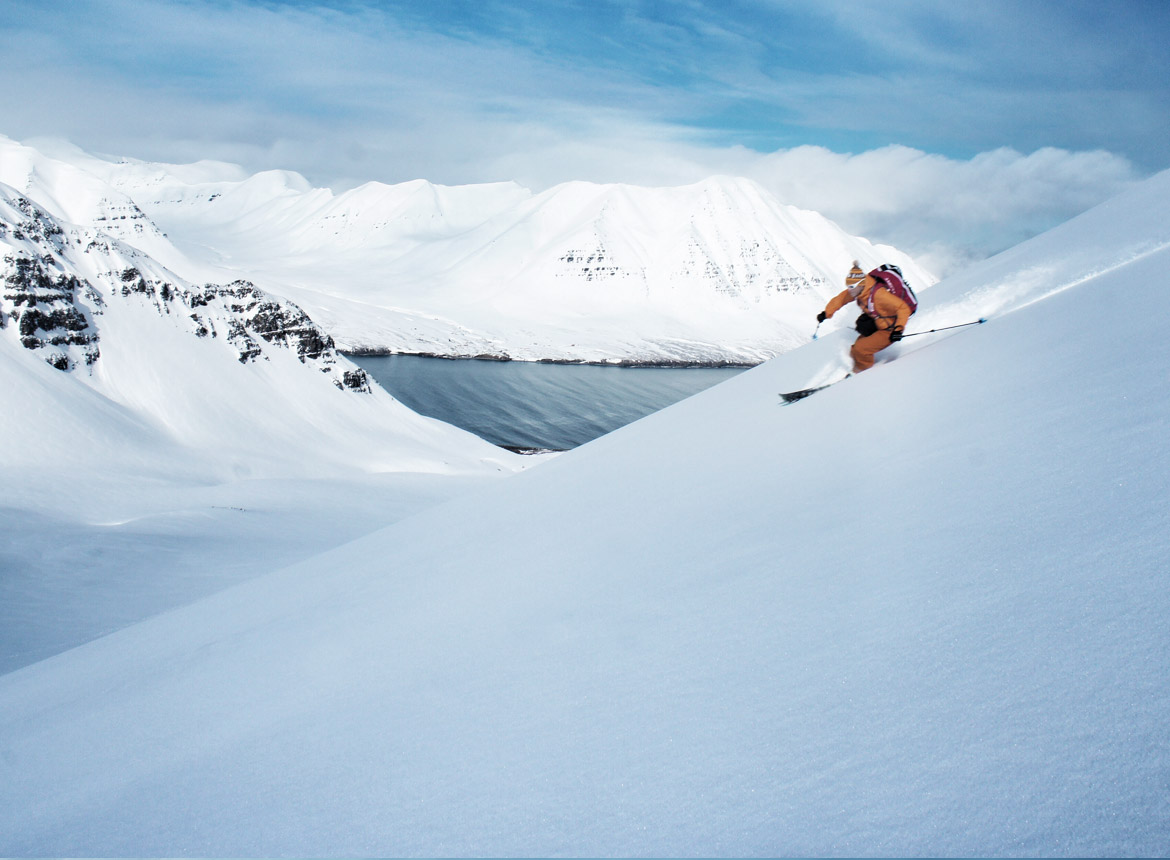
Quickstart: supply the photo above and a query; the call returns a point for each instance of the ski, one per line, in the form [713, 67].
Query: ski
[793, 396]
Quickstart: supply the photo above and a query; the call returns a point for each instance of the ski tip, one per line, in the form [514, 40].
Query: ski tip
[793, 396]
[982, 319]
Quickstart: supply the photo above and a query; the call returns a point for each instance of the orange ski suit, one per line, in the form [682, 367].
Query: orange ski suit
[892, 313]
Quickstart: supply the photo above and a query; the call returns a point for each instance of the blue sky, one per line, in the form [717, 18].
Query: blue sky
[930, 75]
[919, 105]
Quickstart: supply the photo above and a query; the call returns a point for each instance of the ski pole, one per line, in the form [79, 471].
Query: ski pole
[815, 330]
[944, 328]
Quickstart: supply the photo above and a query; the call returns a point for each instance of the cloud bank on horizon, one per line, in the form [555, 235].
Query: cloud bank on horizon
[950, 130]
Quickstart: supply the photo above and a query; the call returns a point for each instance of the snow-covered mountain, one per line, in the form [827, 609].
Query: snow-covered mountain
[717, 271]
[228, 373]
[922, 612]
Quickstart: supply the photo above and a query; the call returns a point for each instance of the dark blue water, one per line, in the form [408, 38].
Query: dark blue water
[520, 404]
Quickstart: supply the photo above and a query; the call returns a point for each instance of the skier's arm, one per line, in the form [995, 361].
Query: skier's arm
[903, 313]
[837, 302]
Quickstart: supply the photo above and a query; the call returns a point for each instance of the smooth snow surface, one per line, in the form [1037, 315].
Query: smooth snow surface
[921, 612]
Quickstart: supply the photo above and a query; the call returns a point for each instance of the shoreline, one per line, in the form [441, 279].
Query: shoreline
[364, 352]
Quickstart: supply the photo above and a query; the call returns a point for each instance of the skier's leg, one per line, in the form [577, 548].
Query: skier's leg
[865, 348]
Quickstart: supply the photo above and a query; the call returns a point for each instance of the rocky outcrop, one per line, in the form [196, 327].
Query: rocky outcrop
[750, 273]
[593, 264]
[44, 308]
[756, 270]
[251, 313]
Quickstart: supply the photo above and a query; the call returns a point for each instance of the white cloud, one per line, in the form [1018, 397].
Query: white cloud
[944, 211]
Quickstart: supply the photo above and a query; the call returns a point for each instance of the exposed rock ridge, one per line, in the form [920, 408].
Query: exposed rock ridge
[44, 308]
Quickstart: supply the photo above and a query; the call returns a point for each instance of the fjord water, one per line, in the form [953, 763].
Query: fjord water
[522, 404]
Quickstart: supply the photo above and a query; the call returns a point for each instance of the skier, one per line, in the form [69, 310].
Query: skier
[887, 303]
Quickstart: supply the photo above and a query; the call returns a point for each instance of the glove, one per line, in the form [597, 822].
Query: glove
[895, 334]
[821, 317]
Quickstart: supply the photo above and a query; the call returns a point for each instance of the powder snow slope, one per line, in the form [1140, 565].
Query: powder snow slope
[716, 271]
[922, 612]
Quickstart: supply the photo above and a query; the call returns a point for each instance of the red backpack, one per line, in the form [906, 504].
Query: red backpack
[891, 278]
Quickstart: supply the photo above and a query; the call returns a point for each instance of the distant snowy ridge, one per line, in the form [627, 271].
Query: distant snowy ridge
[719, 271]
